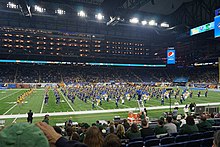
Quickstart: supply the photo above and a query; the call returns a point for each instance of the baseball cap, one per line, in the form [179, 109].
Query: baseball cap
[23, 135]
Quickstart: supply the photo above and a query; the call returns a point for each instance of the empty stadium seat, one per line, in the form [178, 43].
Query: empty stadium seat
[152, 142]
[135, 144]
[208, 134]
[182, 138]
[193, 143]
[167, 140]
[136, 139]
[149, 137]
[196, 136]
[207, 142]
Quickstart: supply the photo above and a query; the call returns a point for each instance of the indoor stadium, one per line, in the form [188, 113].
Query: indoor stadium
[110, 73]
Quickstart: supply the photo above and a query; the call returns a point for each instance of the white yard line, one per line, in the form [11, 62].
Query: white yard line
[10, 109]
[67, 101]
[99, 111]
[10, 95]
[14, 121]
[42, 106]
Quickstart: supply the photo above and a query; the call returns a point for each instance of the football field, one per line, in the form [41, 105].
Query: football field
[35, 102]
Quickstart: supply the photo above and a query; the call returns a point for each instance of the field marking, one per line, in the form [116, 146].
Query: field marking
[9, 95]
[10, 109]
[42, 106]
[66, 100]
[14, 121]
[100, 111]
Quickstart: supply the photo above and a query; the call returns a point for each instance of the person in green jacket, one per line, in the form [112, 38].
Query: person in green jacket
[190, 126]
[46, 119]
[204, 125]
[133, 132]
[159, 129]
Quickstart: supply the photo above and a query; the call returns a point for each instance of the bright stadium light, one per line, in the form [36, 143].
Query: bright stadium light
[60, 12]
[39, 9]
[82, 14]
[134, 20]
[165, 25]
[152, 23]
[12, 5]
[144, 22]
[99, 16]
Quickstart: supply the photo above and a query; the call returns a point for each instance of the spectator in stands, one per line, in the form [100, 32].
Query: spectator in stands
[69, 131]
[177, 123]
[58, 129]
[23, 135]
[120, 131]
[169, 126]
[189, 127]
[54, 138]
[126, 124]
[216, 141]
[204, 125]
[146, 130]
[74, 136]
[84, 128]
[46, 119]
[160, 129]
[112, 140]
[93, 137]
[133, 132]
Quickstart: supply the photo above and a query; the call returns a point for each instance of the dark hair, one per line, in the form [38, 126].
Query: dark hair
[217, 139]
[160, 122]
[134, 128]
[169, 119]
[93, 137]
[75, 136]
[144, 122]
[203, 117]
[112, 140]
[57, 129]
[190, 120]
[111, 129]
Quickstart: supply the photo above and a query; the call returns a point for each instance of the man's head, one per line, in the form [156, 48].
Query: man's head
[23, 134]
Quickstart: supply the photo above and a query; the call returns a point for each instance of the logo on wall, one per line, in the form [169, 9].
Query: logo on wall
[170, 54]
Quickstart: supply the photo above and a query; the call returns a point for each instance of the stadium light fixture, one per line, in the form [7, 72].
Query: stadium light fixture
[152, 23]
[39, 9]
[12, 5]
[82, 14]
[134, 20]
[99, 16]
[144, 22]
[60, 11]
[165, 25]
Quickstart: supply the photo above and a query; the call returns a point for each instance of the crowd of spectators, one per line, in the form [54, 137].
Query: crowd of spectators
[110, 134]
[72, 74]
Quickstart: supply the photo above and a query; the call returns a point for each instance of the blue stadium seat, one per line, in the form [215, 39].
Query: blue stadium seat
[182, 138]
[136, 139]
[208, 134]
[174, 145]
[193, 143]
[152, 142]
[149, 137]
[207, 142]
[174, 134]
[167, 140]
[135, 144]
[196, 136]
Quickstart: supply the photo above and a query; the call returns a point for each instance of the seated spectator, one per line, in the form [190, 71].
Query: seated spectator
[146, 130]
[160, 129]
[93, 137]
[74, 136]
[56, 139]
[204, 125]
[177, 123]
[112, 140]
[83, 130]
[58, 129]
[189, 127]
[216, 141]
[46, 119]
[23, 134]
[126, 124]
[133, 132]
[120, 132]
[169, 126]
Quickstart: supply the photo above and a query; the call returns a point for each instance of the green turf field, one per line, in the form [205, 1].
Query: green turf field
[35, 103]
